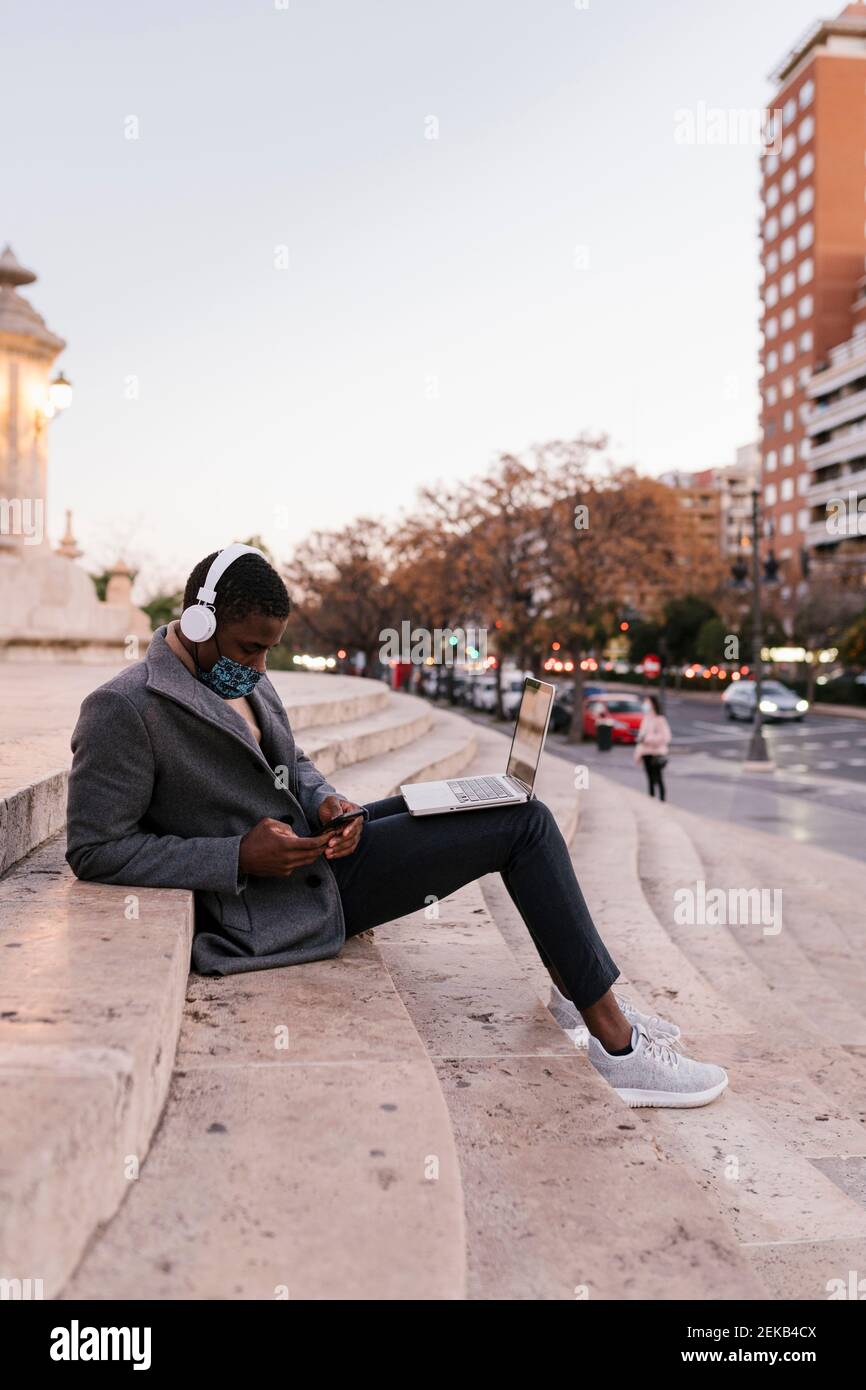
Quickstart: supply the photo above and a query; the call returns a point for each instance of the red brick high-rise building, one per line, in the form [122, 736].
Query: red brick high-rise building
[813, 253]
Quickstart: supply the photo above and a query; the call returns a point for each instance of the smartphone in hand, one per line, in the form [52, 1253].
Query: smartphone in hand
[342, 820]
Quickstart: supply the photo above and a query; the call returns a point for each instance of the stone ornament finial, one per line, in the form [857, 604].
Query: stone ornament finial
[12, 272]
[68, 544]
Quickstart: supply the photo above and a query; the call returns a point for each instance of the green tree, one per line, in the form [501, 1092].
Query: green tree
[710, 644]
[684, 618]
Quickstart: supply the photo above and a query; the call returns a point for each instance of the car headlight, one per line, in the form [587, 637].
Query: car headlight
[768, 707]
[802, 706]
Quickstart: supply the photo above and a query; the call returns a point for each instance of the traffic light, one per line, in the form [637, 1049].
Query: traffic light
[771, 569]
[739, 572]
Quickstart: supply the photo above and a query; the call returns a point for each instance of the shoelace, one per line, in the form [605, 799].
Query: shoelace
[627, 1006]
[662, 1048]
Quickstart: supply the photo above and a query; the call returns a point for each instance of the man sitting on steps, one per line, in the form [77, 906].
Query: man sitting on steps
[185, 774]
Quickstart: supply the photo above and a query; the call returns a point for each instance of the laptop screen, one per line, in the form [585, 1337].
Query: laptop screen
[529, 732]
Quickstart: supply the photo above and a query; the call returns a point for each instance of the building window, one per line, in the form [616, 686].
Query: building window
[789, 215]
[789, 113]
[771, 228]
[786, 490]
[803, 521]
[804, 376]
[806, 235]
[806, 342]
[789, 317]
[804, 308]
[787, 455]
[806, 200]
[772, 197]
[789, 180]
[771, 296]
[805, 270]
[770, 461]
[807, 129]
[807, 164]
[788, 353]
[789, 283]
[771, 328]
[788, 249]
[789, 145]
[771, 395]
[772, 361]
[803, 484]
[787, 388]
[771, 164]
[786, 524]
[770, 495]
[807, 94]
[788, 421]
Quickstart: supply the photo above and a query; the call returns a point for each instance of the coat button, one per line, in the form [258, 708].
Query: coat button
[313, 880]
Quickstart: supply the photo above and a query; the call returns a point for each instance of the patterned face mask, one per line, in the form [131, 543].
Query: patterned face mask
[227, 678]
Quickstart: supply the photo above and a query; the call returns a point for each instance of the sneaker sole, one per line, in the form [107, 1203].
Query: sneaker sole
[669, 1100]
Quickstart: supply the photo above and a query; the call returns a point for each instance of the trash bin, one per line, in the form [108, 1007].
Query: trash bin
[604, 735]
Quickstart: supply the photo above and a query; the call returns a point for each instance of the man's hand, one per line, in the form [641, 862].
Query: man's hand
[272, 850]
[345, 840]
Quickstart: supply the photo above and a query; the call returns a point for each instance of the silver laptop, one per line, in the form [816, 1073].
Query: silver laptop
[506, 788]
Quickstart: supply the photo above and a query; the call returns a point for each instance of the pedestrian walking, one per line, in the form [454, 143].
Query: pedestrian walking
[653, 745]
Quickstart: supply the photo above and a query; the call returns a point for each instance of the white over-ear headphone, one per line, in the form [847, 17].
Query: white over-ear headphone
[198, 622]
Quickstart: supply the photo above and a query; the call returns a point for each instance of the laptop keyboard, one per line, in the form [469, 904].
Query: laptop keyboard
[478, 789]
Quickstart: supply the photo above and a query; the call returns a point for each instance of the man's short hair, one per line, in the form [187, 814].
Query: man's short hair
[249, 585]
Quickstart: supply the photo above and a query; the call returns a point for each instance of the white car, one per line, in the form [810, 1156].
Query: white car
[482, 693]
[777, 701]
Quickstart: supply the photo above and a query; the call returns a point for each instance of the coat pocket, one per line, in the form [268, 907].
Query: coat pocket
[228, 910]
[235, 912]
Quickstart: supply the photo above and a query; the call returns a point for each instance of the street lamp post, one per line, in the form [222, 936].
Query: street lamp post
[758, 759]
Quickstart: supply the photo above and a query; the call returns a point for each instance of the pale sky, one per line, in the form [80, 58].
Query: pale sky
[555, 261]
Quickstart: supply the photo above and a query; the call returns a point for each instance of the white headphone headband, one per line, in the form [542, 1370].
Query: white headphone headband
[207, 592]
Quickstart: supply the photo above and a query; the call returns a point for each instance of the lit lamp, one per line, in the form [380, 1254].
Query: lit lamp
[60, 394]
[58, 399]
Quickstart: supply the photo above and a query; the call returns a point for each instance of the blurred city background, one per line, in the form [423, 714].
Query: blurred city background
[606, 404]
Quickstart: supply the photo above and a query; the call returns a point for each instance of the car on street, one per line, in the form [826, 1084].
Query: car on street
[777, 701]
[560, 718]
[624, 711]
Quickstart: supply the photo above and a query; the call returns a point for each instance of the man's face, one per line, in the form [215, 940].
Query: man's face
[246, 640]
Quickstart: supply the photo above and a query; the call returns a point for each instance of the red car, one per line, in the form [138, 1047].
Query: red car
[626, 711]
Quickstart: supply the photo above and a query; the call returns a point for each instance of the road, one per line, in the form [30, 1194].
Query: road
[816, 794]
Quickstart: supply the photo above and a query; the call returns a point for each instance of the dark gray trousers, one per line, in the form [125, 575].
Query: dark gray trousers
[403, 861]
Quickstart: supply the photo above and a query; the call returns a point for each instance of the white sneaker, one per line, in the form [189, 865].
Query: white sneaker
[655, 1073]
[568, 1017]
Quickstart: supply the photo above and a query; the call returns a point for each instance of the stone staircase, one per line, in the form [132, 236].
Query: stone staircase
[408, 1121]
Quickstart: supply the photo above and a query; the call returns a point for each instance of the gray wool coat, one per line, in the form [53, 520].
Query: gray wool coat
[167, 779]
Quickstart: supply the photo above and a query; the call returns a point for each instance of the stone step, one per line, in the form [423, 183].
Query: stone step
[770, 1149]
[605, 852]
[305, 1151]
[824, 982]
[444, 751]
[399, 720]
[554, 1166]
[346, 719]
[312, 699]
[356, 1183]
[536, 1127]
[94, 979]
[668, 862]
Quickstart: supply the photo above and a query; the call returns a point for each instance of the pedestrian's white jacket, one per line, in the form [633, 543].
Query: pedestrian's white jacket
[654, 736]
